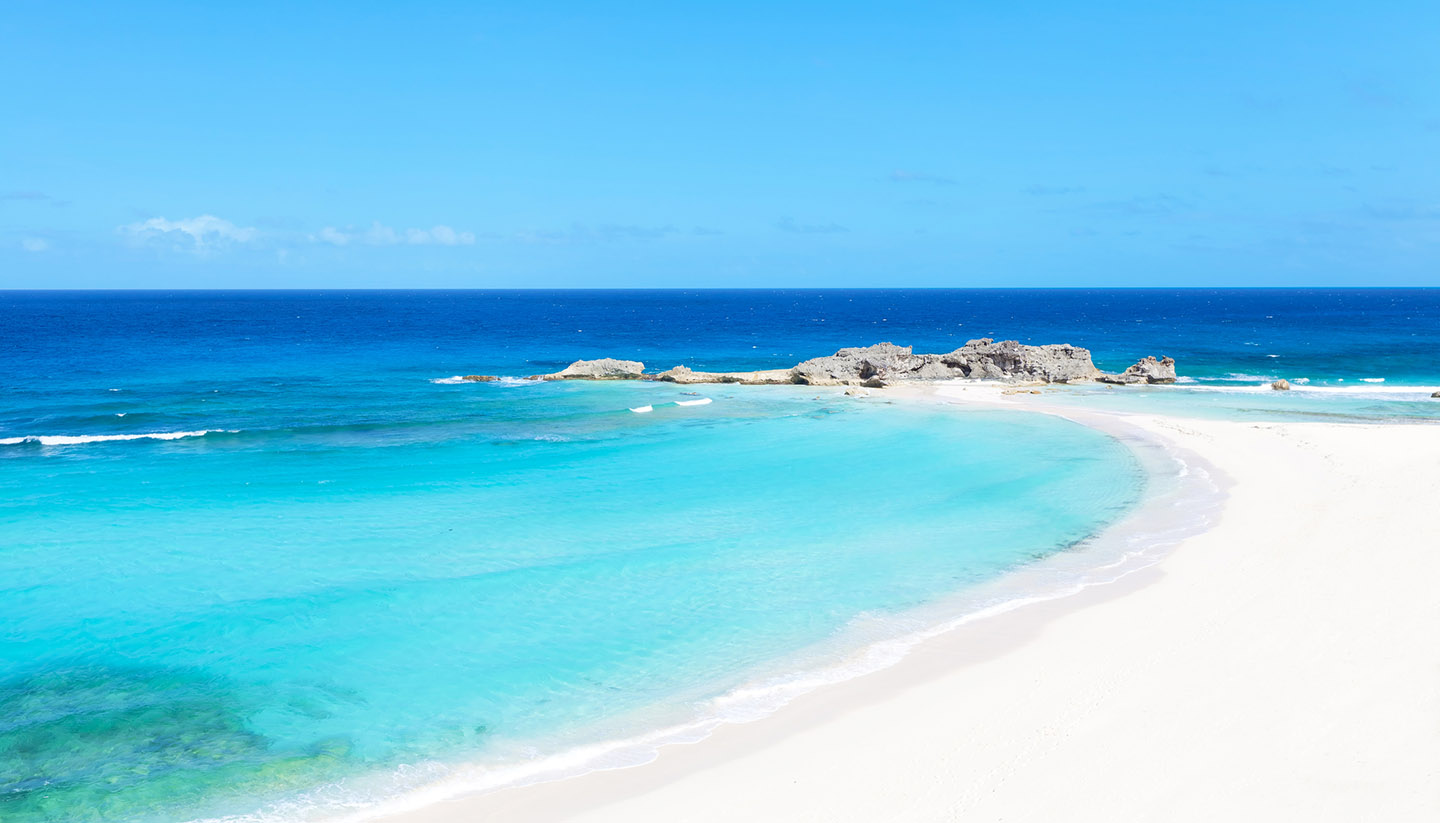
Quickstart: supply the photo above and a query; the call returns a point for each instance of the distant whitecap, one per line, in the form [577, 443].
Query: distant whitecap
[80, 439]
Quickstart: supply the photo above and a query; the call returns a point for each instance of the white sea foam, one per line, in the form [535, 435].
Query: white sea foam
[702, 401]
[80, 439]
[643, 409]
[450, 381]
[1242, 377]
[1372, 380]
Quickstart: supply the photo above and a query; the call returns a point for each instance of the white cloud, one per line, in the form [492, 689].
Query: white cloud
[198, 233]
[381, 235]
[35, 244]
[333, 235]
[378, 235]
[444, 236]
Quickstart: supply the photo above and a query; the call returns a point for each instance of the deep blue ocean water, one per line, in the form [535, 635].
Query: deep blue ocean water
[256, 552]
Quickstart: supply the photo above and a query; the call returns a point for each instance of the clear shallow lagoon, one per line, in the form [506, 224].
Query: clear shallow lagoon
[261, 610]
[1246, 400]
[356, 567]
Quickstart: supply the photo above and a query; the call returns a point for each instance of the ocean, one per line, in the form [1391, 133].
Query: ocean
[263, 558]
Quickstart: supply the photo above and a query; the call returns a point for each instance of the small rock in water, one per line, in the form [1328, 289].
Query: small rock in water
[1281, 385]
[480, 378]
[1435, 394]
[1147, 370]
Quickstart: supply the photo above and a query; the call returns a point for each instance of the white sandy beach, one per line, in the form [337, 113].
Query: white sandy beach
[1284, 665]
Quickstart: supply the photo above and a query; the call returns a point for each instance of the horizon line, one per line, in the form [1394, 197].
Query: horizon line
[383, 289]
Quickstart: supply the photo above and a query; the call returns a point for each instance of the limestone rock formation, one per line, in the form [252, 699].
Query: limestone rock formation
[479, 378]
[679, 374]
[606, 368]
[686, 376]
[857, 364]
[1435, 394]
[1281, 385]
[883, 363]
[1147, 370]
[982, 359]
[1011, 360]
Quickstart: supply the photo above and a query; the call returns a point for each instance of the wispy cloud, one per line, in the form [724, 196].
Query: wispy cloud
[902, 176]
[1046, 191]
[1374, 94]
[199, 234]
[32, 196]
[1260, 101]
[789, 225]
[581, 234]
[1149, 204]
[1404, 211]
[630, 232]
[333, 236]
[35, 244]
[379, 234]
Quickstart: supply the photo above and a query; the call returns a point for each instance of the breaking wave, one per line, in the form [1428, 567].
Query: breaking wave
[80, 439]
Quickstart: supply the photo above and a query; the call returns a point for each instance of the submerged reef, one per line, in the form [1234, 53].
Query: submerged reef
[875, 366]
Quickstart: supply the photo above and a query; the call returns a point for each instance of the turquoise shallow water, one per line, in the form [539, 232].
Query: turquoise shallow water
[1332, 402]
[258, 556]
[209, 624]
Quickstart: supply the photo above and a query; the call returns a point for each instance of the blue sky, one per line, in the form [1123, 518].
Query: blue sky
[269, 145]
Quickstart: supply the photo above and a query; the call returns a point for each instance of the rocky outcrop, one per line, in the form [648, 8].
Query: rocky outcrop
[1281, 385]
[857, 364]
[1010, 360]
[686, 376]
[1147, 370]
[982, 359]
[875, 366]
[1435, 394]
[479, 378]
[606, 368]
